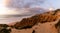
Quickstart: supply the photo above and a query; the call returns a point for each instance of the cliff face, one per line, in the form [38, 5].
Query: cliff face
[48, 22]
[39, 18]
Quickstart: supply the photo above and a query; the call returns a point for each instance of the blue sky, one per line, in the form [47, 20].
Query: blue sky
[51, 3]
[47, 3]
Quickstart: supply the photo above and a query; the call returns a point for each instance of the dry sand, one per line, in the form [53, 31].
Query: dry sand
[48, 27]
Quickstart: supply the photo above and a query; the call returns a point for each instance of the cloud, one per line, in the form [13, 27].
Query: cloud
[26, 7]
[33, 11]
[24, 3]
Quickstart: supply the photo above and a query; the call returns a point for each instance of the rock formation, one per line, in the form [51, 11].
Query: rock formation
[4, 28]
[38, 18]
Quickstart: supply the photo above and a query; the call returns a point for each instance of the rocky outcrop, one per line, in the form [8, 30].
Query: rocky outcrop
[4, 28]
[39, 18]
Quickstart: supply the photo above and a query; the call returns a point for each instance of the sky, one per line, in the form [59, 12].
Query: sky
[51, 3]
[44, 4]
[18, 4]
